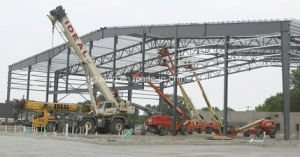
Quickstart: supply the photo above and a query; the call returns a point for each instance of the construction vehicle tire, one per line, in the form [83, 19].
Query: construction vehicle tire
[143, 130]
[89, 124]
[183, 130]
[246, 133]
[272, 133]
[260, 133]
[163, 131]
[199, 131]
[50, 127]
[208, 130]
[117, 126]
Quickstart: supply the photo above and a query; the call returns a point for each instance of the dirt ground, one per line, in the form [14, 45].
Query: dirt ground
[53, 145]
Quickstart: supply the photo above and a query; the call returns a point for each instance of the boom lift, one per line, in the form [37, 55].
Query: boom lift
[161, 124]
[111, 115]
[199, 124]
[257, 128]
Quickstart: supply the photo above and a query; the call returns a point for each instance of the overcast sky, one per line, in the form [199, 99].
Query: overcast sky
[26, 31]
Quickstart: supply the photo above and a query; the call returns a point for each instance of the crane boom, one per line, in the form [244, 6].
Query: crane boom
[213, 113]
[188, 103]
[75, 42]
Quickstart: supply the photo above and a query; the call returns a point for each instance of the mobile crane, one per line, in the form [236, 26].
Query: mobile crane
[111, 115]
[48, 115]
[199, 123]
[161, 124]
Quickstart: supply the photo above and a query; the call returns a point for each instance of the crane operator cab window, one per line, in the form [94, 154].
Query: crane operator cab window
[38, 114]
[107, 105]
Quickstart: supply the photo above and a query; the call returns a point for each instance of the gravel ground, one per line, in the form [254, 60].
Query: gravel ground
[16, 145]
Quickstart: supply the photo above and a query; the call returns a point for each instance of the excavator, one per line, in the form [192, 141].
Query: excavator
[48, 115]
[199, 123]
[111, 115]
[161, 124]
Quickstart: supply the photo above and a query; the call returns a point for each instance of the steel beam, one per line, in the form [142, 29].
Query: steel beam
[118, 88]
[285, 45]
[225, 83]
[28, 89]
[195, 30]
[67, 71]
[56, 84]
[114, 62]
[8, 92]
[166, 31]
[143, 50]
[129, 94]
[174, 133]
[48, 80]
[28, 83]
[161, 88]
[91, 48]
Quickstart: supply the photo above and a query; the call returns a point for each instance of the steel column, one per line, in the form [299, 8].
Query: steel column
[175, 85]
[67, 71]
[56, 81]
[225, 84]
[91, 47]
[129, 96]
[28, 88]
[114, 63]
[8, 92]
[48, 80]
[143, 50]
[161, 87]
[285, 46]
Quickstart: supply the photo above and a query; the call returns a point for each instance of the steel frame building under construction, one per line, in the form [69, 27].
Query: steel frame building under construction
[215, 49]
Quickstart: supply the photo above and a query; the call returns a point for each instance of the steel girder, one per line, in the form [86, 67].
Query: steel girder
[120, 54]
[211, 47]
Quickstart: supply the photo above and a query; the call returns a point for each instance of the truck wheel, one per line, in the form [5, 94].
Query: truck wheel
[90, 125]
[183, 130]
[208, 130]
[199, 131]
[50, 127]
[143, 130]
[116, 126]
[246, 133]
[272, 133]
[260, 133]
[163, 131]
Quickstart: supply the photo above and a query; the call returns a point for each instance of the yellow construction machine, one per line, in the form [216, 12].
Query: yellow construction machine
[48, 115]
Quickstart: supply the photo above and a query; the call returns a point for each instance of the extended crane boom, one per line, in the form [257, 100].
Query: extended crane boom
[111, 115]
[75, 42]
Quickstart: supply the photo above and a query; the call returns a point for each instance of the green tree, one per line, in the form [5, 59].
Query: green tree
[275, 103]
[295, 78]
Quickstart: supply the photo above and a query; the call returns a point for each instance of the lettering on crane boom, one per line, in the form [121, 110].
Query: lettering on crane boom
[76, 38]
[61, 107]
